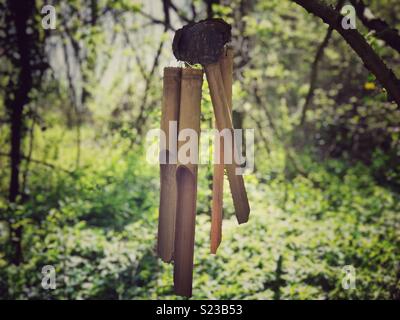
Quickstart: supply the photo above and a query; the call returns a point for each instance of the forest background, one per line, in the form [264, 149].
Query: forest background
[77, 193]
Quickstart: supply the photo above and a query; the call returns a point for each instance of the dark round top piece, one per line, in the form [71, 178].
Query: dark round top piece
[201, 42]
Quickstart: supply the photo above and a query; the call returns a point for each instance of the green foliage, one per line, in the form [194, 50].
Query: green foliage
[101, 238]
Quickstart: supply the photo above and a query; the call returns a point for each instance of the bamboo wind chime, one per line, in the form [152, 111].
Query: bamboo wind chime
[200, 43]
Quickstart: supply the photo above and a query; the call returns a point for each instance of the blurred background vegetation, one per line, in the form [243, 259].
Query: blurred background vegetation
[77, 193]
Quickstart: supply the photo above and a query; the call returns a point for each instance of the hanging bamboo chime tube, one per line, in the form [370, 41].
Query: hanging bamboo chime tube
[226, 66]
[186, 177]
[224, 121]
[168, 156]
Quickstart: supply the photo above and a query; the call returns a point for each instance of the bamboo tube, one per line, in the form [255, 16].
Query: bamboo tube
[167, 209]
[224, 121]
[186, 177]
[226, 65]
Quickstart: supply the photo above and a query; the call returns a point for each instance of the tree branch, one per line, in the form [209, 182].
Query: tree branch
[178, 12]
[314, 75]
[156, 21]
[314, 68]
[141, 118]
[43, 163]
[382, 30]
[360, 46]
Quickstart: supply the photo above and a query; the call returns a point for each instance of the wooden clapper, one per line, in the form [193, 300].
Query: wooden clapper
[178, 180]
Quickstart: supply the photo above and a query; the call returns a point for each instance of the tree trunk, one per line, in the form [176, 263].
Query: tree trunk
[20, 15]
